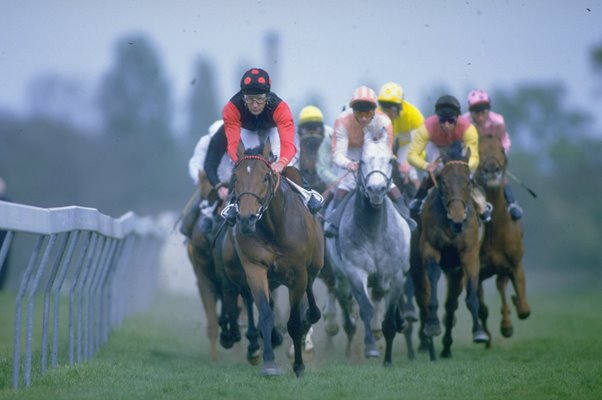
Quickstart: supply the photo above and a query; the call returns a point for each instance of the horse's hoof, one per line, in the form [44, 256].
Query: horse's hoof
[331, 328]
[507, 331]
[480, 337]
[432, 328]
[299, 370]
[226, 342]
[371, 351]
[446, 353]
[410, 315]
[387, 364]
[254, 357]
[522, 314]
[270, 369]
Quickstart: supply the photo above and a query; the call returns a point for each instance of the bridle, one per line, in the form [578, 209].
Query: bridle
[273, 181]
[446, 201]
[361, 179]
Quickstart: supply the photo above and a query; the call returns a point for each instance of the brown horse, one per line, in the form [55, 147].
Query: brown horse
[448, 241]
[502, 247]
[276, 241]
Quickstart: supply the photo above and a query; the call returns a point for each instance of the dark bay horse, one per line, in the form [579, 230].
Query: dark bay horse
[502, 247]
[214, 288]
[371, 254]
[449, 241]
[276, 241]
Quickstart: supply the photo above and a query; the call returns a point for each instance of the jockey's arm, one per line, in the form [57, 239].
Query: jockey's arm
[340, 144]
[324, 162]
[417, 145]
[471, 141]
[232, 126]
[215, 152]
[286, 132]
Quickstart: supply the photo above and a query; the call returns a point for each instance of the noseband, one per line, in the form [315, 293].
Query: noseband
[446, 201]
[263, 202]
[363, 179]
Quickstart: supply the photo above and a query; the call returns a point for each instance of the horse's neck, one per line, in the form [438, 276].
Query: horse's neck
[367, 217]
[279, 210]
[495, 195]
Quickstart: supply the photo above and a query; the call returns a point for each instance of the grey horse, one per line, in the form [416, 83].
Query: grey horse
[371, 254]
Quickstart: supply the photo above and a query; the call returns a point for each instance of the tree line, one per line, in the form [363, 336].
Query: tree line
[135, 161]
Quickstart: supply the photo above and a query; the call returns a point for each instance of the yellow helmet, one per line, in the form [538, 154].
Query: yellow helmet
[310, 114]
[391, 92]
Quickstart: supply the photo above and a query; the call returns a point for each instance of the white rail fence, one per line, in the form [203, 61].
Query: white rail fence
[104, 268]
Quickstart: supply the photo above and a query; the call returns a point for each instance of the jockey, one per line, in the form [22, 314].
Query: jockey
[352, 126]
[405, 118]
[255, 114]
[439, 131]
[198, 175]
[311, 122]
[488, 122]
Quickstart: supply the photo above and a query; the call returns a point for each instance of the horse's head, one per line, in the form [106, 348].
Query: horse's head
[374, 176]
[455, 185]
[493, 161]
[310, 142]
[254, 185]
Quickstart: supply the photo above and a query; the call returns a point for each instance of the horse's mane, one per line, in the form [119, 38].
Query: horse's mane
[456, 151]
[373, 148]
[253, 151]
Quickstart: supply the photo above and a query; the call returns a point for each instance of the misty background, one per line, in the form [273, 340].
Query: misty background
[101, 104]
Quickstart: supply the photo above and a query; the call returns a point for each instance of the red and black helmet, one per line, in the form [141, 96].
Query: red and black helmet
[255, 81]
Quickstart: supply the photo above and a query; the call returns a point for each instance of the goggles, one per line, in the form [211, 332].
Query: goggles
[258, 99]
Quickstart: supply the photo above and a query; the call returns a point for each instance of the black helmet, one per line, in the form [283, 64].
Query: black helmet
[447, 106]
[255, 81]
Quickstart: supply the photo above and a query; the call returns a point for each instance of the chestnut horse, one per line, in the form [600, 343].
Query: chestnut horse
[276, 241]
[502, 247]
[448, 241]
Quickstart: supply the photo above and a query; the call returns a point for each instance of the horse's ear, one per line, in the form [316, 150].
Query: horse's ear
[240, 150]
[267, 149]
[445, 157]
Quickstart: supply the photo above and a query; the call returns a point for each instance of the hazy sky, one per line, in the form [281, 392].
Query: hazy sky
[328, 47]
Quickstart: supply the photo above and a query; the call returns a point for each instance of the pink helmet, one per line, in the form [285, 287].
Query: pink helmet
[364, 97]
[478, 96]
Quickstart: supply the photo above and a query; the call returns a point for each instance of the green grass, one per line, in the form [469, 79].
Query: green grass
[555, 354]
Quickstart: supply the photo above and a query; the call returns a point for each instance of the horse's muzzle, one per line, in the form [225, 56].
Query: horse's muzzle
[248, 224]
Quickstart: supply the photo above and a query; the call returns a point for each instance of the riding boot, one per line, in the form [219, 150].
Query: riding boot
[401, 207]
[316, 201]
[516, 212]
[416, 203]
[334, 217]
[206, 221]
[189, 219]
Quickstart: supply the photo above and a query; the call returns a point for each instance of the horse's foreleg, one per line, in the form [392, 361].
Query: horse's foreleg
[483, 312]
[471, 267]
[520, 300]
[258, 282]
[432, 325]
[253, 352]
[295, 325]
[506, 327]
[208, 293]
[358, 281]
[229, 322]
[392, 316]
[454, 288]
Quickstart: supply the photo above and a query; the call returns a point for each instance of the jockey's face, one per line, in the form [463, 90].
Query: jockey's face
[255, 102]
[391, 111]
[448, 124]
[363, 117]
[479, 117]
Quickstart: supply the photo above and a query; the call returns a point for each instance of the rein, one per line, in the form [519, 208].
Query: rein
[270, 196]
